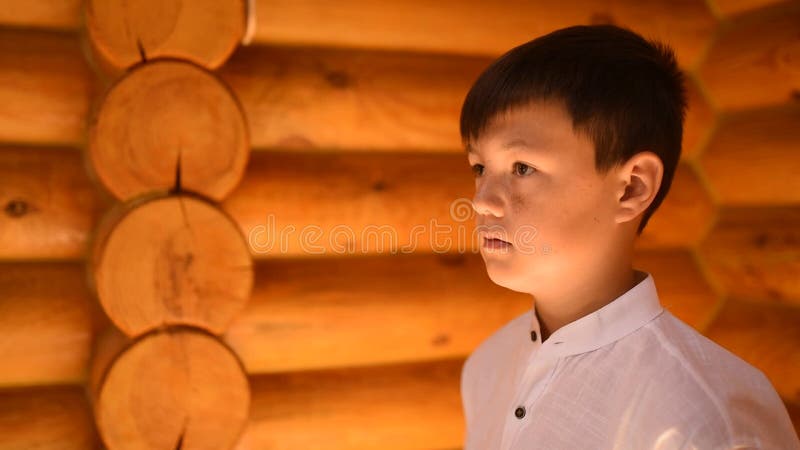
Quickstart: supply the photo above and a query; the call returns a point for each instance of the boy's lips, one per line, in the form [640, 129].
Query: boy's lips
[494, 235]
[494, 242]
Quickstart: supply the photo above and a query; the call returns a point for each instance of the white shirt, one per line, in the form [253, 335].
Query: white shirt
[627, 376]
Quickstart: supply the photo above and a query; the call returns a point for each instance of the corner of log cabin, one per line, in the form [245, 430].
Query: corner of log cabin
[151, 151]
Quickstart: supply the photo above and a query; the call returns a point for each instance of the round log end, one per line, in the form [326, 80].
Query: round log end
[171, 260]
[168, 126]
[205, 32]
[173, 388]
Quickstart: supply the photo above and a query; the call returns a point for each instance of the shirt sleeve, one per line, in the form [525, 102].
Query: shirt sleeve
[466, 392]
[760, 418]
[751, 416]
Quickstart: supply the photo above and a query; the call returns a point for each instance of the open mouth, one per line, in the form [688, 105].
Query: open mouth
[495, 244]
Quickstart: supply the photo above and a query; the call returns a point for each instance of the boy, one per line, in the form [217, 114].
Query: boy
[573, 139]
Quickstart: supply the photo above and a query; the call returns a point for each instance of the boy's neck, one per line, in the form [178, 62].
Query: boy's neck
[580, 299]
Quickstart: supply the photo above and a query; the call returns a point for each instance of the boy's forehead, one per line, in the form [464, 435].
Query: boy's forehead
[531, 125]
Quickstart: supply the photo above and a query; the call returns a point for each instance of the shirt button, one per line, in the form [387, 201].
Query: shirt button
[520, 412]
[533, 335]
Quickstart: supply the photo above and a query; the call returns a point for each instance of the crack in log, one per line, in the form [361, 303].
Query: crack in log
[176, 188]
[179, 444]
[142, 54]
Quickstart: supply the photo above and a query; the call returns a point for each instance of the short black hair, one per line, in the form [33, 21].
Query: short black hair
[624, 92]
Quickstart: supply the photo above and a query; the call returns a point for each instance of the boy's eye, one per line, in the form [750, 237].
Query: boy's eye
[522, 169]
[477, 169]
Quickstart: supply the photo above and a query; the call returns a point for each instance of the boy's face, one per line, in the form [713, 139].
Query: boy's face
[537, 188]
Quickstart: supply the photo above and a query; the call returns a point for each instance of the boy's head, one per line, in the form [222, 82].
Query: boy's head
[574, 139]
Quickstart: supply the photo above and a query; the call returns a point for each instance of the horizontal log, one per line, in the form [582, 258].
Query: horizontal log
[49, 205]
[766, 336]
[44, 14]
[47, 323]
[452, 26]
[334, 204]
[303, 314]
[309, 98]
[754, 253]
[752, 157]
[315, 409]
[730, 8]
[294, 98]
[353, 100]
[45, 88]
[754, 61]
[311, 313]
[364, 203]
[47, 418]
[333, 409]
[405, 308]
[324, 204]
[414, 406]
[472, 26]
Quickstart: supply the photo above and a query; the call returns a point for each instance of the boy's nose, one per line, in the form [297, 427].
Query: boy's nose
[487, 203]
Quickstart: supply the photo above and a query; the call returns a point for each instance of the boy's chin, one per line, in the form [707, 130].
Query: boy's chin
[506, 276]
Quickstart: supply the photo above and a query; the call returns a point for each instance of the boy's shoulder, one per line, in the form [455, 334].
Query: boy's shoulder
[713, 388]
[698, 353]
[681, 356]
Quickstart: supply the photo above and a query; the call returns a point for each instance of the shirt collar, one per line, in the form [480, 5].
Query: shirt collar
[625, 314]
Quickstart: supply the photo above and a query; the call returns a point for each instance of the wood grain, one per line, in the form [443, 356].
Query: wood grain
[170, 260]
[168, 125]
[323, 313]
[324, 204]
[754, 253]
[123, 34]
[766, 336]
[314, 99]
[49, 205]
[334, 99]
[414, 406]
[45, 14]
[731, 8]
[45, 88]
[451, 26]
[408, 406]
[173, 388]
[47, 418]
[48, 322]
[754, 62]
[314, 314]
[472, 26]
[752, 157]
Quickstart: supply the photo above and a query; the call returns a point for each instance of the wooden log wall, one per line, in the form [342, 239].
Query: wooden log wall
[122, 271]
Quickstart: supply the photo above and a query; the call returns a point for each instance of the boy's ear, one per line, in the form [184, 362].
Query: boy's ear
[638, 182]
